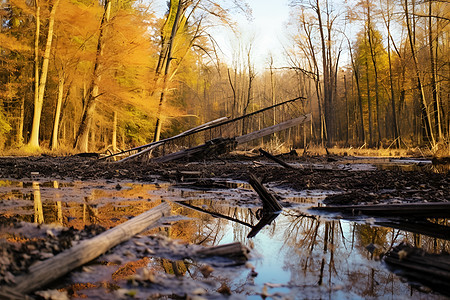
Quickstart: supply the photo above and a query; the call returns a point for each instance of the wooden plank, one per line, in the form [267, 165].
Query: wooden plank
[53, 268]
[272, 129]
[435, 209]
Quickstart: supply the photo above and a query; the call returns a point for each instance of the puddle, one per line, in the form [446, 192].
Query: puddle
[296, 256]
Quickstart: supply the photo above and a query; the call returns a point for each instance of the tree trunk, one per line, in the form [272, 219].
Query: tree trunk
[167, 62]
[358, 89]
[54, 139]
[34, 141]
[437, 122]
[369, 106]
[375, 69]
[21, 122]
[347, 115]
[114, 136]
[34, 138]
[82, 137]
[326, 75]
[391, 83]
[425, 110]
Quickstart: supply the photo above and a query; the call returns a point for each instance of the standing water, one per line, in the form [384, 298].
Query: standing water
[297, 256]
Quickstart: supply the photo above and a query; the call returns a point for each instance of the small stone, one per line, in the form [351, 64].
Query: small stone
[402, 254]
[139, 244]
[46, 255]
[53, 295]
[206, 270]
[114, 259]
[199, 291]
[224, 289]
[149, 251]
[249, 265]
[128, 254]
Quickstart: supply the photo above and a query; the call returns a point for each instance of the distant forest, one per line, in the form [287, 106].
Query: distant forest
[92, 76]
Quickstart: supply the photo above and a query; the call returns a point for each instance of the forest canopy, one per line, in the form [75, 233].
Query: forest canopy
[93, 76]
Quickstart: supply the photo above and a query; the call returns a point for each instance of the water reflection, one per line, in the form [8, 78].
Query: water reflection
[75, 204]
[320, 256]
[293, 253]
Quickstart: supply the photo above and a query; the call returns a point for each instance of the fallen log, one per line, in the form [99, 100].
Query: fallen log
[431, 270]
[275, 159]
[272, 129]
[213, 147]
[45, 272]
[415, 210]
[270, 203]
[147, 148]
[233, 250]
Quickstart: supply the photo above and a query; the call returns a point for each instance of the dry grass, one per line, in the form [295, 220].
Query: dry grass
[26, 150]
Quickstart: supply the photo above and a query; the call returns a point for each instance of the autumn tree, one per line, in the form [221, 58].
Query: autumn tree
[41, 77]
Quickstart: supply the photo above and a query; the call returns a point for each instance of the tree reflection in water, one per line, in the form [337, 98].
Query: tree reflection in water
[295, 254]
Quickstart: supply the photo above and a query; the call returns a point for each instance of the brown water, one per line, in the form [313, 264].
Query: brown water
[297, 256]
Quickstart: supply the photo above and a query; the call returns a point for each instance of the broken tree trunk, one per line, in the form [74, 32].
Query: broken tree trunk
[272, 129]
[51, 269]
[270, 203]
[148, 147]
[211, 148]
[277, 160]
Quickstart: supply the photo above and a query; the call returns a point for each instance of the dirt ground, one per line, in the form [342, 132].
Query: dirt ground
[355, 180]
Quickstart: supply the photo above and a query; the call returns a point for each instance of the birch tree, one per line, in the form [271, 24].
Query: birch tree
[42, 78]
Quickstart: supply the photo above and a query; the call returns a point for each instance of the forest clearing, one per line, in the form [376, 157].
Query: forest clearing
[197, 149]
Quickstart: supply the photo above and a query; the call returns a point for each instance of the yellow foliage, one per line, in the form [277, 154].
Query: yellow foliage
[11, 43]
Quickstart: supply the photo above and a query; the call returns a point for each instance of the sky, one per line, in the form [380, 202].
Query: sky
[270, 18]
[268, 25]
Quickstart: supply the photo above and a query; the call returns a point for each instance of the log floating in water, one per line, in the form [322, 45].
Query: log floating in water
[423, 210]
[51, 269]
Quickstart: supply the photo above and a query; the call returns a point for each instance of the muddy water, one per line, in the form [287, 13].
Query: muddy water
[297, 255]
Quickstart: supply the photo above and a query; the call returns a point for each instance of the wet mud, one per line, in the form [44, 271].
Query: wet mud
[49, 204]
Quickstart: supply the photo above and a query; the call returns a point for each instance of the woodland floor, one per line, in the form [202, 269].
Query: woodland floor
[354, 180]
[357, 180]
